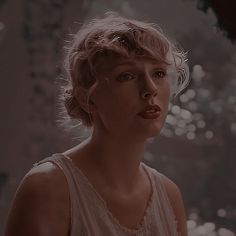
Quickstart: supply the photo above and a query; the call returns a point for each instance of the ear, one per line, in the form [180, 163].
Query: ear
[82, 97]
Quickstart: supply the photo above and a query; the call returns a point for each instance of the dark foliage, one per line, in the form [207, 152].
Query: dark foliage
[225, 13]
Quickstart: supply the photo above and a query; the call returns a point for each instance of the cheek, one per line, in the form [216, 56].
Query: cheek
[166, 92]
[112, 105]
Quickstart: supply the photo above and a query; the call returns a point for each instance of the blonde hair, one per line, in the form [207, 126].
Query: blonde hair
[113, 34]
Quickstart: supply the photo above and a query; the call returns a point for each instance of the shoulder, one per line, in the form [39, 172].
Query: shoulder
[171, 187]
[40, 206]
[43, 181]
[176, 201]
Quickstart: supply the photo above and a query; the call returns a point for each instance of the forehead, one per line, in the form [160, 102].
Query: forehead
[108, 63]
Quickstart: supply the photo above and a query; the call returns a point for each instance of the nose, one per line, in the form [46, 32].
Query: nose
[149, 88]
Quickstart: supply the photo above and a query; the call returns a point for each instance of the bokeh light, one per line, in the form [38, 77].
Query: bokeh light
[175, 109]
[198, 73]
[191, 135]
[225, 232]
[201, 124]
[209, 134]
[221, 213]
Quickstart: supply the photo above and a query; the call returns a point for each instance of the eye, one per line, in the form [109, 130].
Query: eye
[125, 76]
[159, 73]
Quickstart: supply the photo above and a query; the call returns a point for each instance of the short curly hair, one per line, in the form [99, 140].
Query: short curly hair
[113, 34]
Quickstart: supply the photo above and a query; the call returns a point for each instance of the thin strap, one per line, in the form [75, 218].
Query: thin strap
[141, 226]
[77, 198]
[166, 211]
[66, 170]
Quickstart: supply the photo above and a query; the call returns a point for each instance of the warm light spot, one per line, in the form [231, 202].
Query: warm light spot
[175, 109]
[191, 128]
[198, 73]
[184, 98]
[181, 123]
[201, 230]
[233, 127]
[185, 114]
[167, 133]
[171, 120]
[2, 26]
[179, 131]
[191, 224]
[232, 99]
[225, 232]
[193, 216]
[209, 226]
[221, 212]
[191, 135]
[191, 93]
[209, 134]
[201, 124]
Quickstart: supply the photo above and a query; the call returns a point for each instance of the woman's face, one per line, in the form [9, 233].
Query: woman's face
[126, 87]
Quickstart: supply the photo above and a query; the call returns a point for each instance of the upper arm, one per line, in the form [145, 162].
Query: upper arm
[176, 201]
[41, 204]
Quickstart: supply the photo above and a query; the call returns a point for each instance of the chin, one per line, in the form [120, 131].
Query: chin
[151, 131]
[147, 128]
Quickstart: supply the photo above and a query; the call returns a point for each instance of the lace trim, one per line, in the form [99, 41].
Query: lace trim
[140, 226]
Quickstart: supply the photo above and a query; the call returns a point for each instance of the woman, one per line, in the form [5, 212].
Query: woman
[122, 74]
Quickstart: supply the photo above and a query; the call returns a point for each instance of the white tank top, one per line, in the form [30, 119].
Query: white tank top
[90, 215]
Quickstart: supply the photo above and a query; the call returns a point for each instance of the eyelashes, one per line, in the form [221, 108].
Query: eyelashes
[127, 76]
[160, 73]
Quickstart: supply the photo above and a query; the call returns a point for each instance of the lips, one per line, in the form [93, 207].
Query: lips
[150, 112]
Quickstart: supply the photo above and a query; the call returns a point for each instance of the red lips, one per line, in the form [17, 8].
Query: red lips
[150, 112]
[155, 108]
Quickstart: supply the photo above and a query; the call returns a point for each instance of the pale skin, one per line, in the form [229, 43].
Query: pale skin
[110, 158]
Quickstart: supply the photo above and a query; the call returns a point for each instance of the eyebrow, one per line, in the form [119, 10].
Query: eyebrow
[119, 64]
[124, 63]
[132, 63]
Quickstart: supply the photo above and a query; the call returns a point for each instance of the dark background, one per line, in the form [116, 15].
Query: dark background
[197, 146]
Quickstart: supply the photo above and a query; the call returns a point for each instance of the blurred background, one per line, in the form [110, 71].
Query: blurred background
[197, 146]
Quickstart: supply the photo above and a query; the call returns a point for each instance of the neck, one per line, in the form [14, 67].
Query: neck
[117, 161]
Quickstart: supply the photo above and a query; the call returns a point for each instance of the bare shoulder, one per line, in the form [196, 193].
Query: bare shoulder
[171, 187]
[176, 201]
[41, 204]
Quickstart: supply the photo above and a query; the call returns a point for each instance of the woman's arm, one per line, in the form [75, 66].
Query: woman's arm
[177, 204]
[41, 204]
